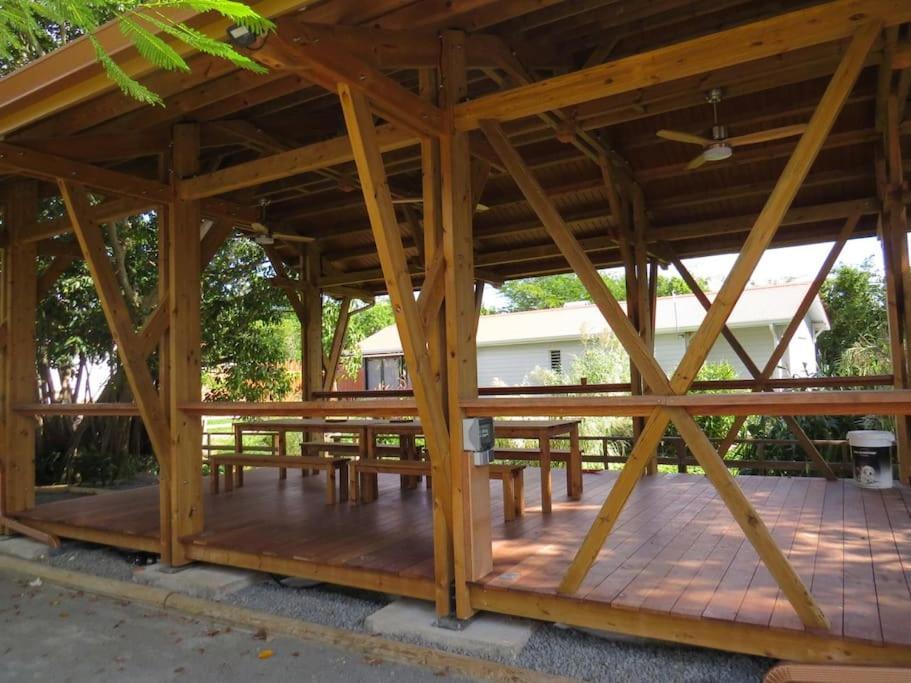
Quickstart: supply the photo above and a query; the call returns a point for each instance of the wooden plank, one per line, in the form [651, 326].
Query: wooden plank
[19, 383]
[861, 617]
[799, 646]
[828, 570]
[750, 522]
[778, 35]
[117, 315]
[893, 594]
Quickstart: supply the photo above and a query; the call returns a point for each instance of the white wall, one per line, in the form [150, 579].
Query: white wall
[511, 365]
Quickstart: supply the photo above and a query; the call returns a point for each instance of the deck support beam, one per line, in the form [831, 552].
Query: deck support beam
[184, 337]
[18, 308]
[378, 199]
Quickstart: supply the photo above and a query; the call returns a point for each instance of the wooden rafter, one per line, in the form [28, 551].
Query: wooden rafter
[326, 64]
[49, 167]
[778, 35]
[117, 314]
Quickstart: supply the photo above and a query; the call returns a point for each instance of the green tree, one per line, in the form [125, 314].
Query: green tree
[552, 291]
[31, 28]
[74, 342]
[857, 341]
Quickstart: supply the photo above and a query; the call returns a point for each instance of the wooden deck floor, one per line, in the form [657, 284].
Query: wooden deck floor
[675, 550]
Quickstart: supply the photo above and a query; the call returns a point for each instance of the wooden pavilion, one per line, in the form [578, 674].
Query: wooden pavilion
[435, 145]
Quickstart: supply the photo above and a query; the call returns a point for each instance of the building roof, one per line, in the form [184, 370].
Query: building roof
[773, 304]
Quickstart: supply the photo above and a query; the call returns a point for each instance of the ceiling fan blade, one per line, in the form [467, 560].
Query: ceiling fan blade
[304, 239]
[767, 135]
[678, 136]
[697, 162]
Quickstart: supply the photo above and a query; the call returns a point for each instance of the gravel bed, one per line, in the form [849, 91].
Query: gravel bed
[323, 604]
[551, 649]
[97, 560]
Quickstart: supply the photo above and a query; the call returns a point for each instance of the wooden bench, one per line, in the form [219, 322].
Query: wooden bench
[530, 454]
[303, 462]
[512, 477]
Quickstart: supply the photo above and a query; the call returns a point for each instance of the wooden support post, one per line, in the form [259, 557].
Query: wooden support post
[311, 325]
[184, 337]
[894, 228]
[642, 295]
[377, 197]
[473, 550]
[19, 380]
[164, 353]
[338, 341]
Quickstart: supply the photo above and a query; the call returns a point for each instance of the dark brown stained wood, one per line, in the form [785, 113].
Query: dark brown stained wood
[848, 540]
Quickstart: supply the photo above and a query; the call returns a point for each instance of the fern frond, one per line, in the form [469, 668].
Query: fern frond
[129, 86]
[238, 12]
[201, 42]
[153, 48]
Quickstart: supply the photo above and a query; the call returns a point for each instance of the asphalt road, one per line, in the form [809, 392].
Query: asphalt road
[54, 634]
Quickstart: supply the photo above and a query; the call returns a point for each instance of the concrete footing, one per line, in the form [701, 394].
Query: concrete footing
[486, 634]
[24, 548]
[198, 581]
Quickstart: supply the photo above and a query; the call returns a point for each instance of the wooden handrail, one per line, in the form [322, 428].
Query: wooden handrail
[886, 402]
[624, 387]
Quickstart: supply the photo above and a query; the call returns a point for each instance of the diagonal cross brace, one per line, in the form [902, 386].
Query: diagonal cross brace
[739, 506]
[760, 237]
[759, 375]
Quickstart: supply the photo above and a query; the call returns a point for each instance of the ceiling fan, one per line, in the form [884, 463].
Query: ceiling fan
[720, 146]
[265, 236]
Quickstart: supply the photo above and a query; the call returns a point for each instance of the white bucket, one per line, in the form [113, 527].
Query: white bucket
[871, 452]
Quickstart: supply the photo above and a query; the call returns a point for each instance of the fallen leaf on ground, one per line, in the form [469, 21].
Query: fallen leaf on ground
[265, 654]
[260, 634]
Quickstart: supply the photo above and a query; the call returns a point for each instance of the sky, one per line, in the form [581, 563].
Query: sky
[787, 264]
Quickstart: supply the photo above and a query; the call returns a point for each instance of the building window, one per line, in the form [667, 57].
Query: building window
[384, 373]
[556, 360]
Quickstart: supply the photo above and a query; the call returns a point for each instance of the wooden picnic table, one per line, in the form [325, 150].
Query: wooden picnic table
[367, 430]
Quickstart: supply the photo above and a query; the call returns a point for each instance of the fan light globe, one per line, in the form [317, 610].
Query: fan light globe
[718, 152]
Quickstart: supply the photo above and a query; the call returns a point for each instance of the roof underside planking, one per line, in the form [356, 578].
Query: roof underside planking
[62, 105]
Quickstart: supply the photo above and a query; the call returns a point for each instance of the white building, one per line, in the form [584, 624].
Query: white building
[512, 345]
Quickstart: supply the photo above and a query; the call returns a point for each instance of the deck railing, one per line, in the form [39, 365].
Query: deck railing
[745, 454]
[753, 455]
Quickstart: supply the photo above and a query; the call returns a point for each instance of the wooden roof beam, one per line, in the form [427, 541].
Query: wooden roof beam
[329, 65]
[52, 167]
[785, 33]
